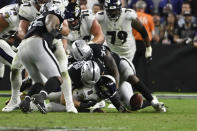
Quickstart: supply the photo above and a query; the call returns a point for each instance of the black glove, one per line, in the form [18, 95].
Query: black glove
[87, 104]
[149, 59]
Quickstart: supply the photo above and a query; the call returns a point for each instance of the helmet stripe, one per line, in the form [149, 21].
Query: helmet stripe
[93, 71]
[78, 49]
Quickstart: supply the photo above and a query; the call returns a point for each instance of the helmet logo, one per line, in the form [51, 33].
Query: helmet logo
[77, 11]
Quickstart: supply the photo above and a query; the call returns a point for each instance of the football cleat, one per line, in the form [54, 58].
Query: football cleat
[71, 109]
[158, 106]
[13, 104]
[25, 105]
[38, 100]
[10, 108]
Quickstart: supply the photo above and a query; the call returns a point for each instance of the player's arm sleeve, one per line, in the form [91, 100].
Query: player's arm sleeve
[116, 102]
[130, 14]
[88, 17]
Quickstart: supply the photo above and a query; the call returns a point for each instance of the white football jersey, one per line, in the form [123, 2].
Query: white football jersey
[86, 94]
[118, 33]
[28, 11]
[60, 4]
[10, 14]
[87, 19]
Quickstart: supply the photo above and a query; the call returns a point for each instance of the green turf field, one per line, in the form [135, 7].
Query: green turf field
[181, 116]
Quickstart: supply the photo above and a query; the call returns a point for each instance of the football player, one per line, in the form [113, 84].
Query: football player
[82, 51]
[26, 16]
[97, 52]
[82, 24]
[89, 87]
[9, 21]
[117, 24]
[41, 33]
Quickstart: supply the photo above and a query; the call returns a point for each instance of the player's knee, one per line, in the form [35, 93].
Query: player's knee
[133, 79]
[14, 73]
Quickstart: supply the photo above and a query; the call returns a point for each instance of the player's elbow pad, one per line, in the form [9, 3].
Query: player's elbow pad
[143, 32]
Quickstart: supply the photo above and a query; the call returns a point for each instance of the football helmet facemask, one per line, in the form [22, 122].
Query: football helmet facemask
[113, 9]
[73, 16]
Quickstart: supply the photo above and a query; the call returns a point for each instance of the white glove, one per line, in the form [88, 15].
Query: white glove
[158, 106]
[148, 52]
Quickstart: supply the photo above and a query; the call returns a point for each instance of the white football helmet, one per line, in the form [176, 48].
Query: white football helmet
[81, 50]
[90, 73]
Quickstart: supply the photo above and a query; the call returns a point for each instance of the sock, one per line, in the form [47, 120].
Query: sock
[83, 110]
[145, 104]
[16, 82]
[43, 94]
[35, 89]
[52, 84]
[55, 107]
[26, 84]
[66, 88]
[141, 87]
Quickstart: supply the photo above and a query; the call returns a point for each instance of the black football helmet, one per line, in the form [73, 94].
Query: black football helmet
[113, 9]
[106, 86]
[73, 16]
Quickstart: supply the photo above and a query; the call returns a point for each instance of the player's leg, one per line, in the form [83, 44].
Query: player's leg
[26, 54]
[6, 56]
[127, 73]
[52, 73]
[127, 97]
[66, 86]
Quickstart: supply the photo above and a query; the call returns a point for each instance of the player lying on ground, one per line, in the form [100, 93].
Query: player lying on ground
[100, 53]
[90, 88]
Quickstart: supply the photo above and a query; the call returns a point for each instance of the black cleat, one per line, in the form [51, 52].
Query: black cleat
[25, 105]
[38, 100]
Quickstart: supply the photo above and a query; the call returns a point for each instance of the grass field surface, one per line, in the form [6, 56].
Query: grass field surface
[181, 116]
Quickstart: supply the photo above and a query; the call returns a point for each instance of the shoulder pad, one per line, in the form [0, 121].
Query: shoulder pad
[130, 13]
[100, 13]
[128, 10]
[85, 13]
[26, 11]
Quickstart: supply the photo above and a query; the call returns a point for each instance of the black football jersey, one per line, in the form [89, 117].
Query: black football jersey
[99, 52]
[38, 27]
[74, 71]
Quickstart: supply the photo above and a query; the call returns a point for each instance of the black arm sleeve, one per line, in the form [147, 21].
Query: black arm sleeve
[116, 102]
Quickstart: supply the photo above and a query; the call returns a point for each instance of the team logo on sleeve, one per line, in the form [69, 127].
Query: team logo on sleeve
[77, 11]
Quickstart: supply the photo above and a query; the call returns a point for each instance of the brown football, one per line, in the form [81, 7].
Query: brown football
[136, 101]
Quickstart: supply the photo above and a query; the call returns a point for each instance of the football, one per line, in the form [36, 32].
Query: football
[136, 101]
